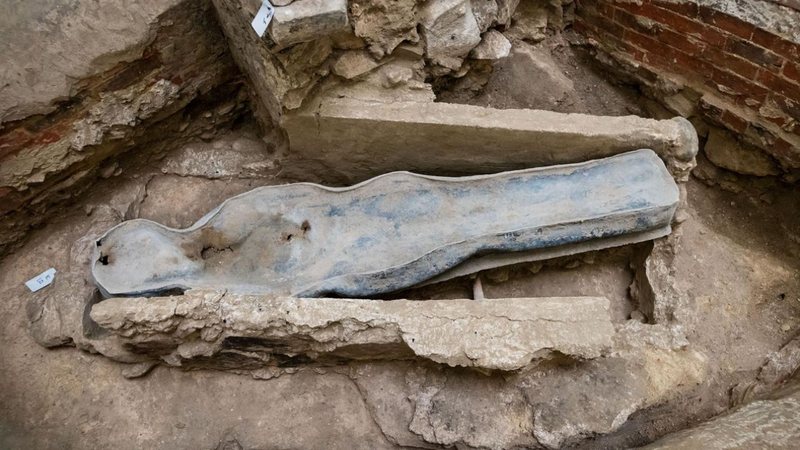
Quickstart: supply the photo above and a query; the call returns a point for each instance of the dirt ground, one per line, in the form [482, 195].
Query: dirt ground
[738, 263]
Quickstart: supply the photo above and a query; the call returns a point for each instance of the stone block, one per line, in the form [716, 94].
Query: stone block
[727, 152]
[493, 46]
[354, 140]
[450, 31]
[307, 20]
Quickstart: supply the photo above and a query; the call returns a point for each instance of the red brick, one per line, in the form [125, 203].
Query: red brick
[776, 44]
[786, 152]
[698, 66]
[608, 25]
[673, 20]
[733, 121]
[688, 9]
[742, 86]
[712, 112]
[713, 36]
[681, 42]
[725, 22]
[754, 53]
[628, 20]
[649, 44]
[731, 63]
[792, 71]
[779, 84]
[790, 107]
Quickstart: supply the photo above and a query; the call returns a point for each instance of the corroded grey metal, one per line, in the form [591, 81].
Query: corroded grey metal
[392, 232]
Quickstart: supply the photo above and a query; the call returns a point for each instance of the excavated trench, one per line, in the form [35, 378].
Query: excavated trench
[701, 322]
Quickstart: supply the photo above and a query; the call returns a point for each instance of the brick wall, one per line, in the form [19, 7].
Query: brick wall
[727, 70]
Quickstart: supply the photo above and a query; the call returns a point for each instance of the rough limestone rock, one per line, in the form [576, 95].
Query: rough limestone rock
[493, 46]
[771, 423]
[485, 12]
[308, 20]
[450, 31]
[727, 152]
[529, 21]
[353, 64]
[384, 24]
[505, 10]
[499, 334]
[536, 66]
[542, 406]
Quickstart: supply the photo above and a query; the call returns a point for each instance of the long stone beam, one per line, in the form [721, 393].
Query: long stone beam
[357, 139]
[223, 330]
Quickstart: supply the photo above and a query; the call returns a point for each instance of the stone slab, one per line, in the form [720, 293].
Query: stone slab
[353, 139]
[499, 334]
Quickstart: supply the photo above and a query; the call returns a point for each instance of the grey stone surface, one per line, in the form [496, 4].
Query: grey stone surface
[485, 12]
[768, 424]
[450, 31]
[727, 152]
[307, 20]
[505, 10]
[493, 46]
[498, 334]
[530, 21]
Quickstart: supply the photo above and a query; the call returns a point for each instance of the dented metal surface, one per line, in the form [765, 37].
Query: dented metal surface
[391, 232]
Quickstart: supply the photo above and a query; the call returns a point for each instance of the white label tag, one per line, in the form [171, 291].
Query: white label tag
[44, 279]
[263, 18]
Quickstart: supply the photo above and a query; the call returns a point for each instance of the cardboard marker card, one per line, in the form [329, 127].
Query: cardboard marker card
[42, 280]
[263, 18]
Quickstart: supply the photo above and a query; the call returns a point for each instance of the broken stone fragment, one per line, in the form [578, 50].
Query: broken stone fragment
[529, 22]
[450, 31]
[493, 46]
[384, 23]
[727, 152]
[353, 64]
[307, 20]
[497, 334]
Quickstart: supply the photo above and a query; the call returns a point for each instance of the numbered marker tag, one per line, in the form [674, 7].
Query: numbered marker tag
[42, 280]
[263, 17]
